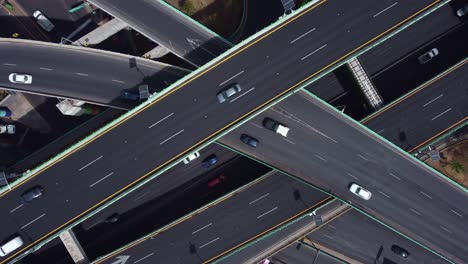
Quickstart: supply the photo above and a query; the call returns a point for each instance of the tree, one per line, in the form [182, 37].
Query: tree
[456, 166]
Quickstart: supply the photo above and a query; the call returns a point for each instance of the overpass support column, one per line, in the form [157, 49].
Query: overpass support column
[368, 88]
[73, 247]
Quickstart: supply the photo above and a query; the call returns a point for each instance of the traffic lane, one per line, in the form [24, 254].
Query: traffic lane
[146, 144]
[186, 38]
[82, 71]
[164, 183]
[403, 43]
[316, 144]
[297, 253]
[359, 237]
[436, 106]
[217, 229]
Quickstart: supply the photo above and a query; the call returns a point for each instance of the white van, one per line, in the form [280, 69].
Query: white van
[43, 21]
[11, 246]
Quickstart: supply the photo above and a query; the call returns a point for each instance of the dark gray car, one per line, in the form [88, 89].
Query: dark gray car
[32, 194]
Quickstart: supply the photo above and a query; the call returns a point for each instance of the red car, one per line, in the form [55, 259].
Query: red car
[216, 181]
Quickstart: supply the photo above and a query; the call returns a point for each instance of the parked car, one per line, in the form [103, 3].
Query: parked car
[275, 126]
[209, 161]
[400, 251]
[5, 112]
[360, 191]
[225, 94]
[34, 193]
[426, 57]
[191, 157]
[43, 21]
[462, 11]
[216, 181]
[251, 141]
[11, 245]
[7, 129]
[130, 95]
[20, 78]
[113, 218]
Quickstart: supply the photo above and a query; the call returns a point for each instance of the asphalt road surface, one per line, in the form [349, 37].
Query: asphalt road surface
[225, 225]
[81, 73]
[181, 120]
[299, 253]
[180, 34]
[360, 238]
[425, 112]
[330, 153]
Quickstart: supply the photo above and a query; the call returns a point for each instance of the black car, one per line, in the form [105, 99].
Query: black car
[400, 251]
[32, 194]
[253, 142]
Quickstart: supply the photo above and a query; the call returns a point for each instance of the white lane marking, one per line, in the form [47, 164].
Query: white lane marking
[141, 196]
[320, 158]
[103, 178]
[164, 118]
[394, 4]
[267, 212]
[16, 208]
[329, 225]
[306, 56]
[414, 211]
[289, 141]
[37, 218]
[425, 194]
[380, 131]
[118, 81]
[431, 101]
[446, 229]
[330, 237]
[45, 69]
[439, 115]
[171, 137]
[9, 64]
[384, 194]
[147, 256]
[248, 91]
[241, 72]
[259, 198]
[206, 244]
[255, 125]
[352, 175]
[201, 228]
[84, 167]
[301, 36]
[456, 213]
[394, 176]
[362, 157]
[82, 74]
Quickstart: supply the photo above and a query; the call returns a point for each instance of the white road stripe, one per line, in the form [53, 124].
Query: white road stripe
[200, 229]
[320, 158]
[289, 141]
[431, 101]
[439, 115]
[330, 237]
[259, 198]
[301, 36]
[45, 69]
[262, 215]
[117, 81]
[147, 256]
[37, 218]
[141, 196]
[329, 225]
[446, 229]
[414, 211]
[456, 213]
[394, 4]
[362, 157]
[306, 56]
[164, 118]
[103, 178]
[255, 125]
[380, 131]
[82, 168]
[248, 91]
[171, 137]
[394, 176]
[384, 194]
[241, 72]
[16, 208]
[82, 74]
[352, 175]
[204, 245]
[9, 64]
[425, 194]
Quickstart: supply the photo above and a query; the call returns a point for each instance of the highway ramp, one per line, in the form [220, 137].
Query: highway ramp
[331, 152]
[86, 74]
[169, 28]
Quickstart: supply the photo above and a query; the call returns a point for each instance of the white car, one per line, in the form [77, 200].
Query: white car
[360, 191]
[426, 57]
[11, 246]
[7, 129]
[191, 157]
[20, 78]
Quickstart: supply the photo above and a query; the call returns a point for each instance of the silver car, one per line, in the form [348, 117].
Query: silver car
[462, 11]
[426, 57]
[228, 92]
[43, 21]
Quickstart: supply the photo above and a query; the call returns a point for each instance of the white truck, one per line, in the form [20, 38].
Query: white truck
[7, 129]
[275, 126]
